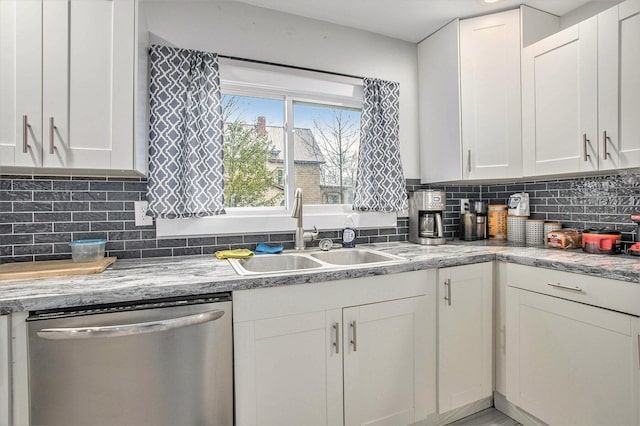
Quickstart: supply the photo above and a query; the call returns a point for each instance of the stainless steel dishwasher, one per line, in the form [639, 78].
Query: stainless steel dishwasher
[162, 362]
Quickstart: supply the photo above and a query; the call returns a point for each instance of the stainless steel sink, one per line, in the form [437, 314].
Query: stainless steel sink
[265, 264]
[352, 257]
[306, 260]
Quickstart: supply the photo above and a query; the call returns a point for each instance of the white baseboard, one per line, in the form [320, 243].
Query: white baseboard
[516, 413]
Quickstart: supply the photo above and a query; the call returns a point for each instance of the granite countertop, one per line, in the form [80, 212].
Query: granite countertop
[141, 279]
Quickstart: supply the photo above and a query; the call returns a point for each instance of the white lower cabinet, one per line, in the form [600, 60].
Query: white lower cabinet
[465, 330]
[353, 352]
[5, 408]
[500, 327]
[570, 363]
[383, 345]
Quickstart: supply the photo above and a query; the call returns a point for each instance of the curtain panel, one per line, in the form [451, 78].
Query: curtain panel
[185, 134]
[380, 183]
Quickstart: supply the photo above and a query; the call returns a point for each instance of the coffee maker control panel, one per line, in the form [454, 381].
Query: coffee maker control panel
[435, 202]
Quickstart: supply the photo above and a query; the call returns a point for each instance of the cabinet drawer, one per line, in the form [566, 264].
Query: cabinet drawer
[606, 293]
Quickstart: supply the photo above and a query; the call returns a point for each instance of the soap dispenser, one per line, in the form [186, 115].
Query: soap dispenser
[349, 233]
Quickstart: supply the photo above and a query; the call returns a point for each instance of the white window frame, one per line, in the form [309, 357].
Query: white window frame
[291, 85]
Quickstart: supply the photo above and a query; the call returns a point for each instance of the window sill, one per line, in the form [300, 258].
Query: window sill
[240, 223]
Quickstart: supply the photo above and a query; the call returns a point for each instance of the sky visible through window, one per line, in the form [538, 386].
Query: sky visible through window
[249, 109]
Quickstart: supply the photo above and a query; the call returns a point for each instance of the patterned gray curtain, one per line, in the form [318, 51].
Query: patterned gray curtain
[380, 183]
[185, 136]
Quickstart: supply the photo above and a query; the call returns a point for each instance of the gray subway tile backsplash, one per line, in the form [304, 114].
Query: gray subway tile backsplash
[39, 216]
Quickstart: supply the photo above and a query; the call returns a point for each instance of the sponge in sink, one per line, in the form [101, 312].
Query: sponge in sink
[263, 248]
[234, 254]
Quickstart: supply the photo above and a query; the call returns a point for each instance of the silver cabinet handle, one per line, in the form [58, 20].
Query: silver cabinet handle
[469, 161]
[25, 134]
[585, 143]
[354, 338]
[52, 129]
[565, 287]
[447, 284]
[605, 138]
[336, 342]
[128, 329]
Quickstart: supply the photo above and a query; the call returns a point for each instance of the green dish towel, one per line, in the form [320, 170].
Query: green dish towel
[234, 254]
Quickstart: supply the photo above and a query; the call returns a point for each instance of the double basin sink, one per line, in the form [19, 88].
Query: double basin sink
[311, 260]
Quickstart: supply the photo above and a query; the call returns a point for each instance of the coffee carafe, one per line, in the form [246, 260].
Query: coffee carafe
[480, 209]
[425, 217]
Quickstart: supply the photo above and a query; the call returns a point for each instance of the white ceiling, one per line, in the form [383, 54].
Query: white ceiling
[410, 20]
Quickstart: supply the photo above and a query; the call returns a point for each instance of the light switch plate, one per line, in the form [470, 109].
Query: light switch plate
[464, 205]
[141, 208]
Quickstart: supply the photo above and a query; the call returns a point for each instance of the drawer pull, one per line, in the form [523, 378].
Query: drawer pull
[566, 287]
[336, 343]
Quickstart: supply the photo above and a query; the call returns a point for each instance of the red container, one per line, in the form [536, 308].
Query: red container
[601, 241]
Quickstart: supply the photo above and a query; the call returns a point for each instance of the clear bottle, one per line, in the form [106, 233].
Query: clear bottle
[349, 233]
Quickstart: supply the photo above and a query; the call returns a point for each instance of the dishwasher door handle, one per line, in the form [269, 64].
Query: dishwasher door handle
[128, 329]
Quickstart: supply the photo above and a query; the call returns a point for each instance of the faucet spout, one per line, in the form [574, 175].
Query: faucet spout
[301, 235]
[297, 206]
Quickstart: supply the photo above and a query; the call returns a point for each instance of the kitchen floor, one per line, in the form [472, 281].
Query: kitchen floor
[488, 417]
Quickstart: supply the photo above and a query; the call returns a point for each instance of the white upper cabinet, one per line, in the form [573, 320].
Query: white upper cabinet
[439, 97]
[72, 76]
[470, 96]
[560, 102]
[580, 96]
[619, 86]
[490, 96]
[21, 83]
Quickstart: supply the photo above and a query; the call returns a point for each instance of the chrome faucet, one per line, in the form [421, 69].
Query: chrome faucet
[301, 235]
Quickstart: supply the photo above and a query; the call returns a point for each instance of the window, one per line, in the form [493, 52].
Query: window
[326, 152]
[324, 145]
[283, 129]
[253, 151]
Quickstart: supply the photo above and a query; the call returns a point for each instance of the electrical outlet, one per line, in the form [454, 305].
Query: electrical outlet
[464, 205]
[141, 208]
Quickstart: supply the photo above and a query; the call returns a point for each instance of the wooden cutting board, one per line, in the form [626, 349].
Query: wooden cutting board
[52, 268]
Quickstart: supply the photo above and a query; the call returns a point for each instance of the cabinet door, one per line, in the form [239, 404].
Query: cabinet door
[500, 327]
[619, 86]
[570, 363]
[465, 340]
[490, 89]
[439, 97]
[386, 358]
[5, 408]
[21, 83]
[88, 68]
[559, 102]
[288, 370]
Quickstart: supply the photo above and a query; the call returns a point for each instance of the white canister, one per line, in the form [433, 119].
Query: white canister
[535, 231]
[516, 229]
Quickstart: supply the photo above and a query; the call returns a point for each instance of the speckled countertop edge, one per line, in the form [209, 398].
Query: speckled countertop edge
[144, 279]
